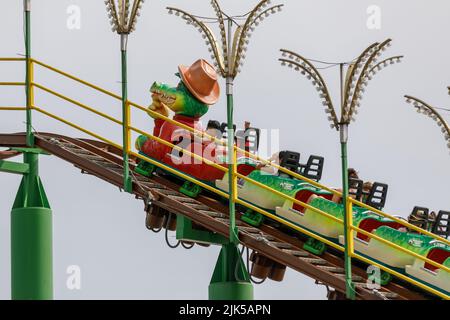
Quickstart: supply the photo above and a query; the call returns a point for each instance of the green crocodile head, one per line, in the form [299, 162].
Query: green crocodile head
[179, 99]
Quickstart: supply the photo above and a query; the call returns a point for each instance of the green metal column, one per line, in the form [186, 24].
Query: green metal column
[31, 216]
[231, 164]
[31, 238]
[127, 182]
[28, 72]
[350, 290]
[231, 280]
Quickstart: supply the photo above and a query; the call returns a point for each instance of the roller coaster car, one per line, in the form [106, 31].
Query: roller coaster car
[327, 225]
[183, 162]
[280, 182]
[428, 273]
[422, 245]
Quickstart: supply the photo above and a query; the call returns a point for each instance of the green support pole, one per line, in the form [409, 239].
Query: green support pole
[28, 73]
[231, 164]
[231, 280]
[31, 216]
[127, 182]
[350, 290]
[31, 238]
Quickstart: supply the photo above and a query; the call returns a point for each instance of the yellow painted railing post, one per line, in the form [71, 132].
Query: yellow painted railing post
[349, 230]
[127, 181]
[234, 176]
[29, 84]
[127, 146]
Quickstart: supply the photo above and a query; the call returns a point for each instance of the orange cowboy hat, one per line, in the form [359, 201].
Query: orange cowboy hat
[201, 80]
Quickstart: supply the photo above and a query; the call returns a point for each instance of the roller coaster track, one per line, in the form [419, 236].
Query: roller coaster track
[105, 162]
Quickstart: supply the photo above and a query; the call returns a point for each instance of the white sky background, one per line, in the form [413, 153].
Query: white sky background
[103, 231]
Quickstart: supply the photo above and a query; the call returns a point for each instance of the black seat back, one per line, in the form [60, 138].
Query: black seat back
[442, 225]
[248, 139]
[355, 187]
[377, 195]
[290, 160]
[224, 129]
[313, 168]
[420, 217]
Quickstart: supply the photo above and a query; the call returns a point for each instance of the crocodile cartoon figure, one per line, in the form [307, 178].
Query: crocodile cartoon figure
[189, 100]
[196, 91]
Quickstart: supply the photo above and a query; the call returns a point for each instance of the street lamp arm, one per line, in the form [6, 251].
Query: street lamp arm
[425, 108]
[363, 79]
[218, 56]
[320, 84]
[254, 12]
[123, 20]
[206, 33]
[352, 78]
[223, 34]
[134, 14]
[266, 13]
[233, 55]
[384, 63]
[249, 26]
[113, 16]
[123, 12]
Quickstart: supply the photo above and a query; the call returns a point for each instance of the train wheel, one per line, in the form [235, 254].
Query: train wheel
[145, 168]
[315, 246]
[252, 218]
[190, 189]
[154, 219]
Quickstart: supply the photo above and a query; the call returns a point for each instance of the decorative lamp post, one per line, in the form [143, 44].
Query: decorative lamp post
[123, 16]
[428, 110]
[228, 55]
[359, 73]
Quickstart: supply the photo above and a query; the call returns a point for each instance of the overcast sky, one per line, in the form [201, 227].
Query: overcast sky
[102, 231]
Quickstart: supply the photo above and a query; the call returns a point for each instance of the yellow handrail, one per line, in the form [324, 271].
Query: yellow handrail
[13, 108]
[73, 125]
[101, 114]
[245, 203]
[224, 169]
[12, 59]
[12, 83]
[93, 86]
